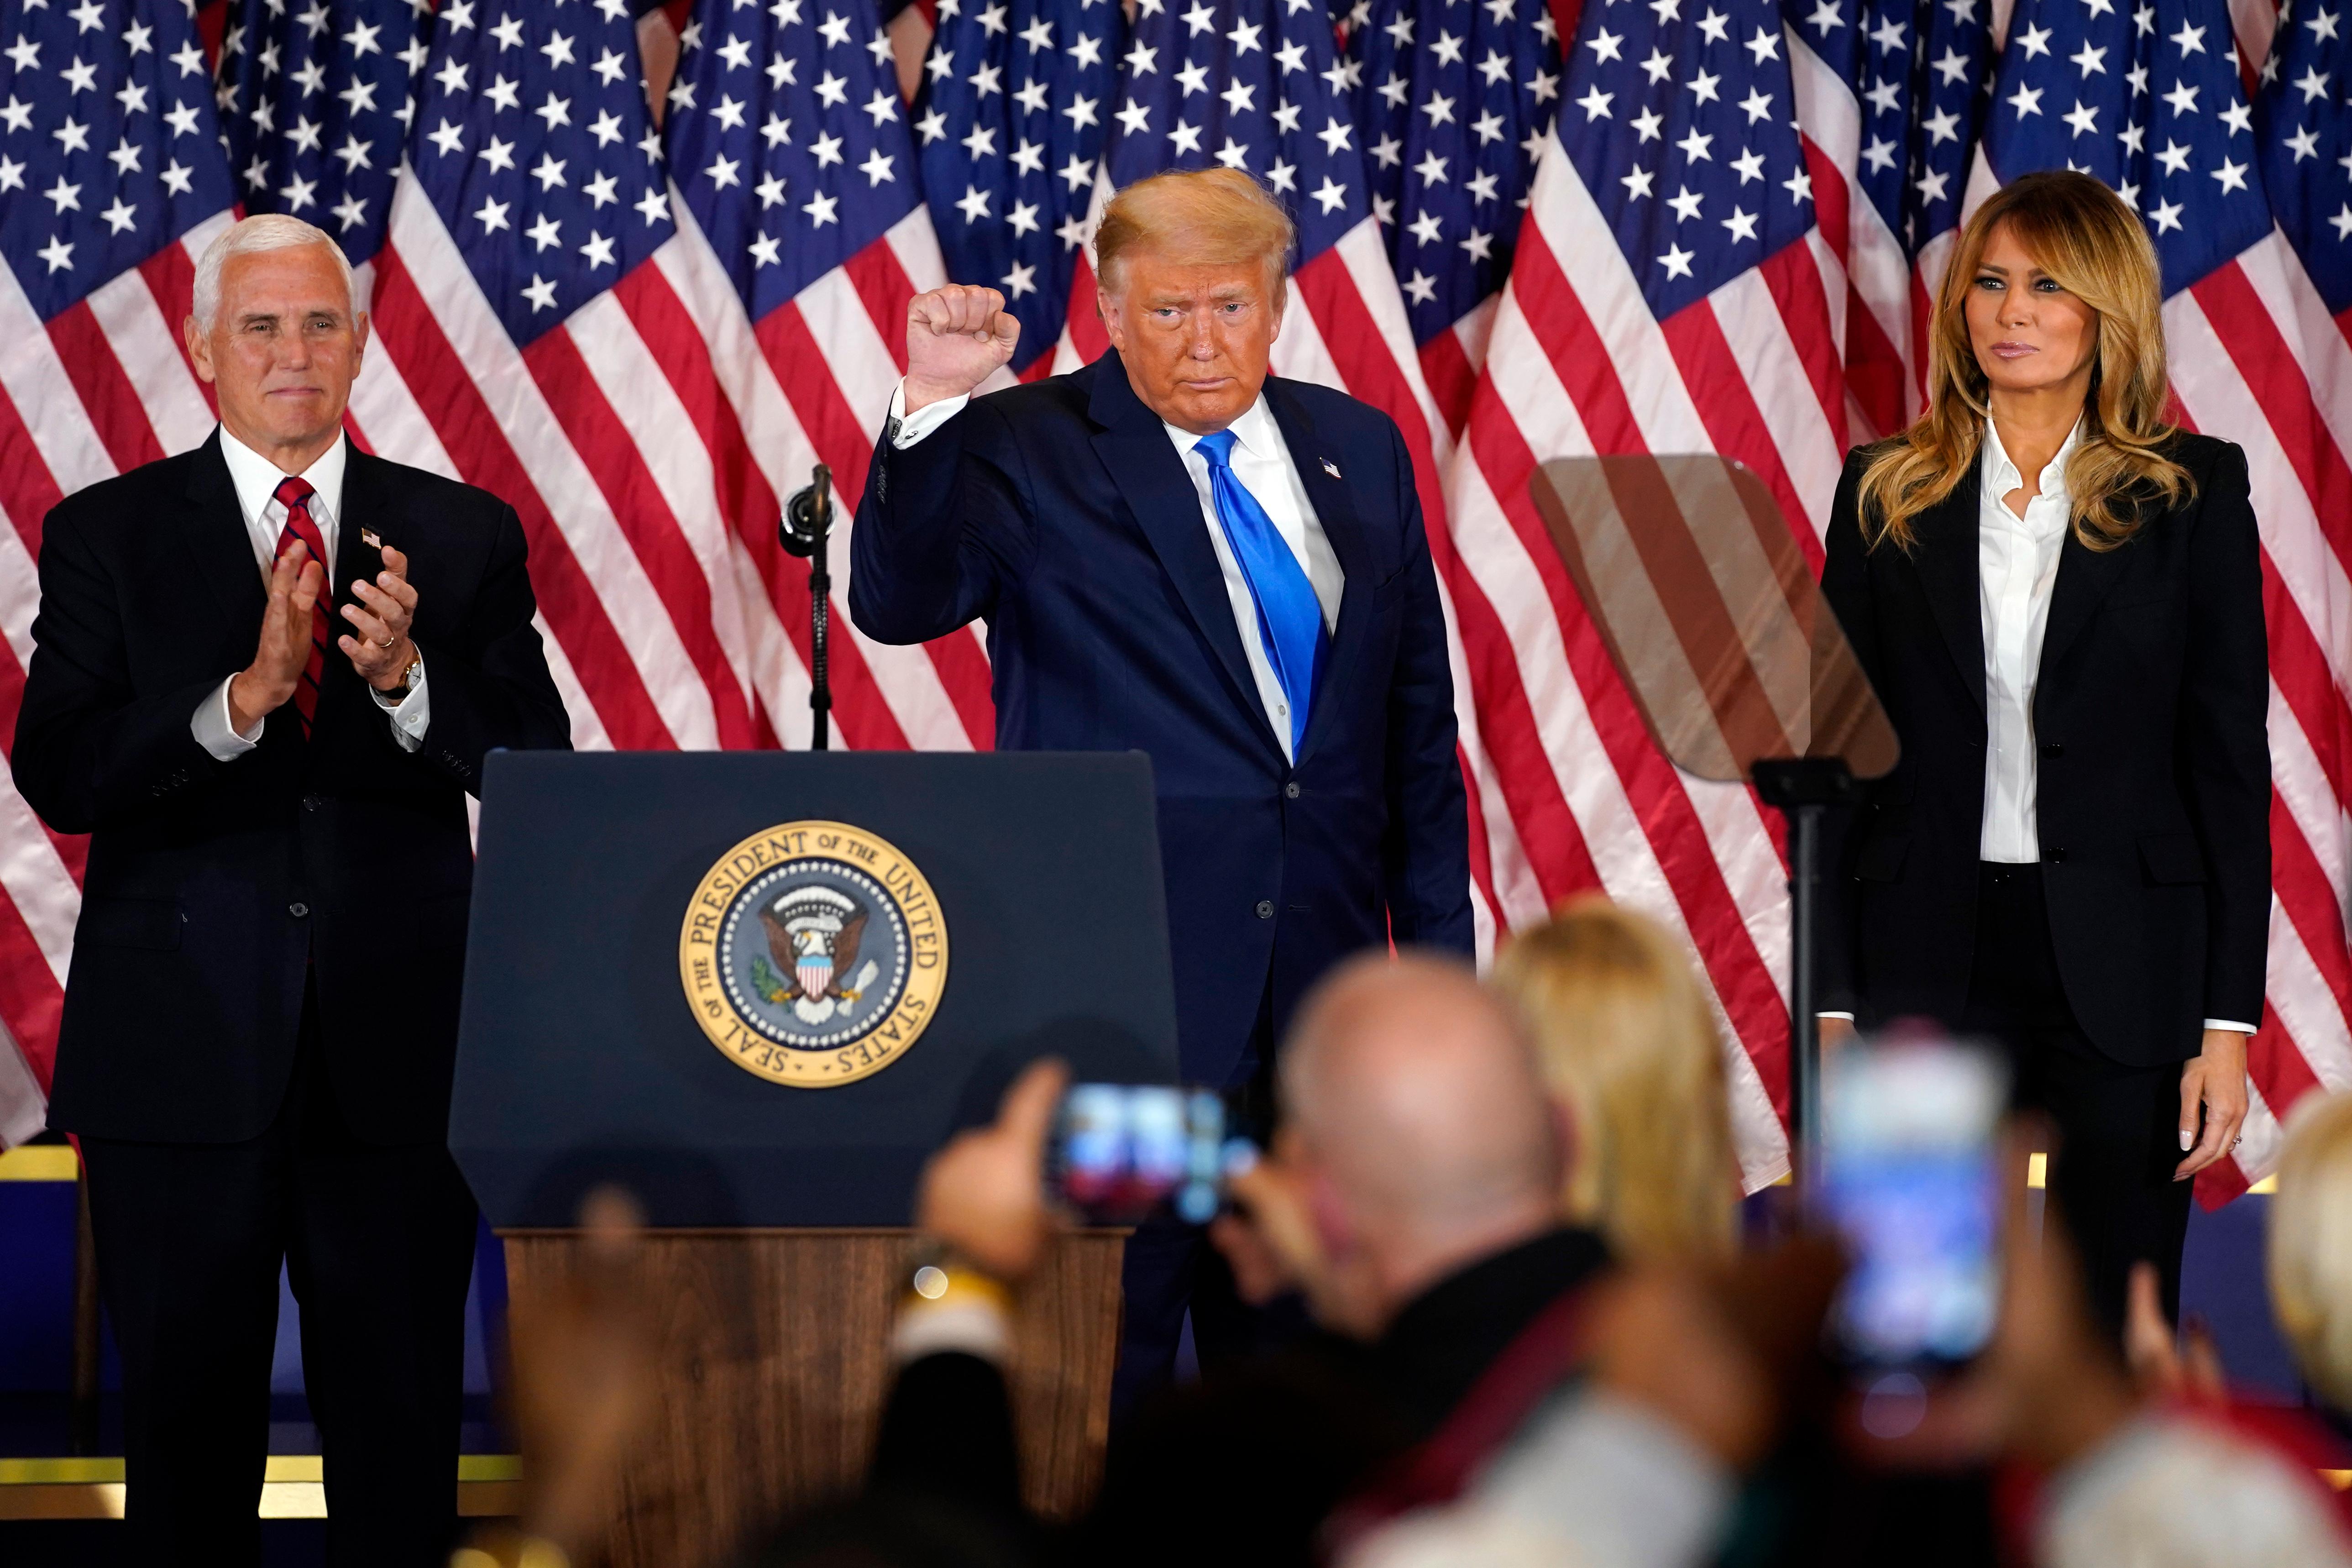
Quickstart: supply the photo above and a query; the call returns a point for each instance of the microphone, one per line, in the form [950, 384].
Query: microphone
[808, 516]
[803, 531]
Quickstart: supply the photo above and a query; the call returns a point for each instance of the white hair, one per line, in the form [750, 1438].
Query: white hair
[263, 231]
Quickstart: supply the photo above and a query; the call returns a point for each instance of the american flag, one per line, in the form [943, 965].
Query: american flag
[1668, 296]
[806, 234]
[111, 184]
[1455, 102]
[2148, 95]
[1888, 95]
[316, 106]
[1009, 122]
[643, 339]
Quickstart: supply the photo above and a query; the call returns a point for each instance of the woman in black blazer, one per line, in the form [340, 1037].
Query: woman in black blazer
[2058, 597]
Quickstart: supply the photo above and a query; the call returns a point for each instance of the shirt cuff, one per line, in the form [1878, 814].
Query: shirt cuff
[1847, 1017]
[910, 428]
[2227, 1024]
[213, 730]
[410, 714]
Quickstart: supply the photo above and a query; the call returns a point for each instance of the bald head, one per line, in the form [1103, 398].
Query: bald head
[1414, 1094]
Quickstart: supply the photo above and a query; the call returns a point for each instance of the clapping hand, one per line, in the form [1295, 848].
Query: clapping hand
[262, 687]
[386, 609]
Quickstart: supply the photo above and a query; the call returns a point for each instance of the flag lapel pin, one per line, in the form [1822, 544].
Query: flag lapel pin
[368, 538]
[1330, 468]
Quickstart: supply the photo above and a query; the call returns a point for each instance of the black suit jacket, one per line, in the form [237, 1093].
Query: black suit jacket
[213, 886]
[2154, 791]
[1060, 513]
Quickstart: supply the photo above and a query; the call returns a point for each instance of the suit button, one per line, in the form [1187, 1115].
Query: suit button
[1266, 909]
[2052, 749]
[1290, 789]
[309, 803]
[298, 909]
[2055, 856]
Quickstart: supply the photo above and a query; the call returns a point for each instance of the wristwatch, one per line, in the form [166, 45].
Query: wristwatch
[410, 678]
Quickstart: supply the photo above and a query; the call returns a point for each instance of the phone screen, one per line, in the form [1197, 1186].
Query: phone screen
[1910, 1175]
[1121, 1150]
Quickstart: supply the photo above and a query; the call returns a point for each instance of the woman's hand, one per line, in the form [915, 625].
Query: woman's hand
[2216, 1080]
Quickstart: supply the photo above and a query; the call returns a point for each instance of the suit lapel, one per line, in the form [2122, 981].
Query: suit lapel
[1143, 463]
[1946, 562]
[217, 542]
[2084, 578]
[1335, 509]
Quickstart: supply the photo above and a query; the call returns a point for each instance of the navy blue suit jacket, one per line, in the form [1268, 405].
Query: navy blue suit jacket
[1061, 514]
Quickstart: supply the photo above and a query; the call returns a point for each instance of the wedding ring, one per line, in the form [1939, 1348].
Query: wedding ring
[389, 642]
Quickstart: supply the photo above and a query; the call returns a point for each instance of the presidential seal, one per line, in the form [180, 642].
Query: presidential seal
[813, 954]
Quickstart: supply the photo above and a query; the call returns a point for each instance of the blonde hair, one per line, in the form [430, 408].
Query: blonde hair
[2082, 234]
[1198, 218]
[2311, 1244]
[1624, 1035]
[248, 237]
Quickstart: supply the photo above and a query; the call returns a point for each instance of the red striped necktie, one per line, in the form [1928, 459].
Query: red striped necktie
[294, 494]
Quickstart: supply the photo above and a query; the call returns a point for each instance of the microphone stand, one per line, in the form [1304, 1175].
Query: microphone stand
[803, 531]
[1803, 789]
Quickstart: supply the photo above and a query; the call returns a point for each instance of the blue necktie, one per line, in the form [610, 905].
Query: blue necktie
[1289, 617]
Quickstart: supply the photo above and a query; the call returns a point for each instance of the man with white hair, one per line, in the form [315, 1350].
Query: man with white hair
[265, 675]
[1177, 553]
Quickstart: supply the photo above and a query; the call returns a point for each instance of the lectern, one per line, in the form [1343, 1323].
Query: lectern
[758, 989]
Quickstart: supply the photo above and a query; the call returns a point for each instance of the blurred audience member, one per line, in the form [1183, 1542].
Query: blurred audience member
[1625, 1038]
[2127, 1482]
[2311, 1244]
[583, 1362]
[1411, 1197]
[1416, 1173]
[1637, 1468]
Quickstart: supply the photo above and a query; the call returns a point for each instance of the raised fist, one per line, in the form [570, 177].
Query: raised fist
[956, 337]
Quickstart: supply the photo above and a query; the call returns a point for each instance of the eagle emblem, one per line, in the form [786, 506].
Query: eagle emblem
[812, 938]
[813, 954]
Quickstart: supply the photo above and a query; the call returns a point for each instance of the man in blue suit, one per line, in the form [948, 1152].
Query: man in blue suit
[1177, 553]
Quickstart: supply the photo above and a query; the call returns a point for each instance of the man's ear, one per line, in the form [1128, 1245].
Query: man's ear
[359, 325]
[200, 348]
[1114, 325]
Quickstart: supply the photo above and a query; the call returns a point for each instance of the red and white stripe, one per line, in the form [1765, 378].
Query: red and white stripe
[1869, 281]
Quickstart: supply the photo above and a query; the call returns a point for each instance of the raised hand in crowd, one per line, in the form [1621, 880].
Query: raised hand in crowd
[983, 1195]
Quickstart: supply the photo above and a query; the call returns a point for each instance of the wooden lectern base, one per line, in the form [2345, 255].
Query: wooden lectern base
[776, 1356]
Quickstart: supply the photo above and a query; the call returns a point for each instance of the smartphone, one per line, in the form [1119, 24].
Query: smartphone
[1121, 1151]
[1911, 1178]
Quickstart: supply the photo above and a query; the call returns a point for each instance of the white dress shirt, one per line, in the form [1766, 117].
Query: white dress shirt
[2017, 569]
[256, 479]
[2017, 566]
[1261, 461]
